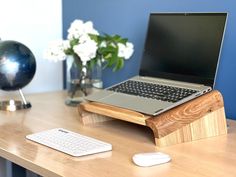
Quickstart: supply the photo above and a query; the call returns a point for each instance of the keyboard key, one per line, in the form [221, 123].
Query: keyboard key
[153, 91]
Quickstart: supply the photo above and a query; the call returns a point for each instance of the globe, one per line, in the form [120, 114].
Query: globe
[17, 65]
[17, 69]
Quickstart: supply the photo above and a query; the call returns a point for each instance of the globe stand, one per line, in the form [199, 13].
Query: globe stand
[13, 105]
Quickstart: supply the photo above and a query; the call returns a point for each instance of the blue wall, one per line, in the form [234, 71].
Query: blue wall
[129, 18]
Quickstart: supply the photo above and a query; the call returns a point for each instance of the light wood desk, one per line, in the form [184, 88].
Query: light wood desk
[210, 157]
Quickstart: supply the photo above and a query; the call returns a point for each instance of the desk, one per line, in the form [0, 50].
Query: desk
[210, 157]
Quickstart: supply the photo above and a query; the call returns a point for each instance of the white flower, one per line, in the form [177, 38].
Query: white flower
[55, 51]
[86, 51]
[88, 28]
[75, 29]
[125, 50]
[84, 38]
[78, 28]
[66, 44]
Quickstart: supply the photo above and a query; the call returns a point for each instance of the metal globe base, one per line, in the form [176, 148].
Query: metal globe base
[13, 105]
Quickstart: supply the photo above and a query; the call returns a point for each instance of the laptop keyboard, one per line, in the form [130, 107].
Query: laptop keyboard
[153, 91]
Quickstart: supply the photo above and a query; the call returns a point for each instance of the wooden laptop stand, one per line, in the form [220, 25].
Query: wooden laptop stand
[200, 118]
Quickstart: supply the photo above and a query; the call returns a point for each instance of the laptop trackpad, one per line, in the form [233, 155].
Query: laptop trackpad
[140, 104]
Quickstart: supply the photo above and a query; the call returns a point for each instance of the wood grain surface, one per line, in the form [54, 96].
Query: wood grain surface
[186, 113]
[113, 112]
[209, 157]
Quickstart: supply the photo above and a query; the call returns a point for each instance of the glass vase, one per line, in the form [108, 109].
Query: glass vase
[96, 75]
[81, 80]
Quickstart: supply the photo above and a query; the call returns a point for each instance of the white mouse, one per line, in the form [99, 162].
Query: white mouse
[150, 159]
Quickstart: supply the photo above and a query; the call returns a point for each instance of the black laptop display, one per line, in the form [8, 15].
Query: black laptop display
[183, 46]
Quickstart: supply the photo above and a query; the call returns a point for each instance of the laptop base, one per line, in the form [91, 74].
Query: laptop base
[200, 118]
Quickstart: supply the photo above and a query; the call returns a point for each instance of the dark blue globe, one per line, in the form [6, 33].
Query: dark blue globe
[17, 65]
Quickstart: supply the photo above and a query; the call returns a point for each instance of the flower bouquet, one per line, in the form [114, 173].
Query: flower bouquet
[88, 48]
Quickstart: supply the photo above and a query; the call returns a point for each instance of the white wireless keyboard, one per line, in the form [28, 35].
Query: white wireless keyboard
[70, 142]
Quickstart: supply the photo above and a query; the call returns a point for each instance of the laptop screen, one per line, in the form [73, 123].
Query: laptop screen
[183, 46]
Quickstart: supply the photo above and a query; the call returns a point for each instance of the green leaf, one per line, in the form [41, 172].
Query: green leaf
[117, 38]
[119, 64]
[123, 41]
[77, 61]
[110, 52]
[111, 60]
[94, 37]
[74, 42]
[92, 63]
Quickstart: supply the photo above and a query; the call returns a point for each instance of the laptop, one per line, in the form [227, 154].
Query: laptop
[179, 63]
